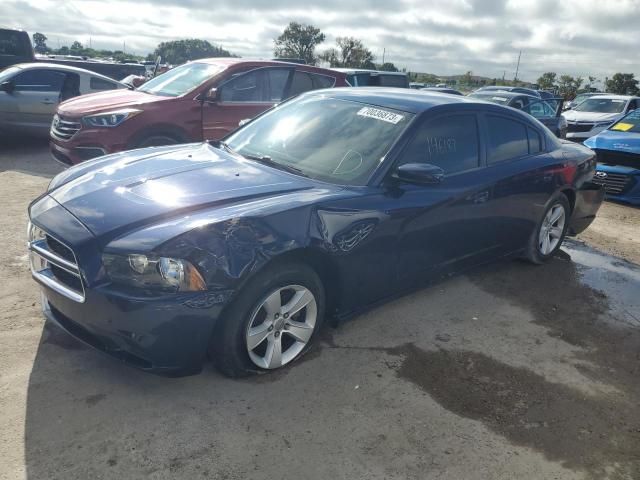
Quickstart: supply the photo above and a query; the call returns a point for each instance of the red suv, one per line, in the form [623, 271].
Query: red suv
[200, 100]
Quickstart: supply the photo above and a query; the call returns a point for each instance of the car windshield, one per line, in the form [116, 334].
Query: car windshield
[601, 105]
[493, 98]
[630, 123]
[8, 73]
[182, 79]
[336, 141]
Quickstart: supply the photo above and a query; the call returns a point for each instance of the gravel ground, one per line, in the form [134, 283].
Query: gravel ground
[511, 371]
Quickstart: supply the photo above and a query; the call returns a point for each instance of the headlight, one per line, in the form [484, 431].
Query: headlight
[163, 273]
[110, 119]
[35, 233]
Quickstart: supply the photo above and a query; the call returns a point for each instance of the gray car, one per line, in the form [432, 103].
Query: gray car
[31, 92]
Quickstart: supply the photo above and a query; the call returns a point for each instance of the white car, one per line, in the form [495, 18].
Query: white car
[595, 114]
[31, 92]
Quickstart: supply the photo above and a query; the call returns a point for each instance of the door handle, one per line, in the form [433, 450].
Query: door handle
[48, 102]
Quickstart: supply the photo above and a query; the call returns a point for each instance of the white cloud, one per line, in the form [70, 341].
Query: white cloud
[579, 37]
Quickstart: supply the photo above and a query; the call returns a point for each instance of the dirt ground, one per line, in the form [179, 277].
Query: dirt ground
[511, 371]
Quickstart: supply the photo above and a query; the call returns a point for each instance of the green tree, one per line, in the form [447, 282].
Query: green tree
[623, 84]
[299, 41]
[388, 67]
[467, 78]
[40, 43]
[547, 81]
[350, 53]
[568, 86]
[180, 51]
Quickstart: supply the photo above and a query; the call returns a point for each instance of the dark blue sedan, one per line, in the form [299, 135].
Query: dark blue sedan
[322, 206]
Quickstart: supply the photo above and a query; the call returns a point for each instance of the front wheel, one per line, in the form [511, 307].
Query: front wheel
[550, 231]
[271, 323]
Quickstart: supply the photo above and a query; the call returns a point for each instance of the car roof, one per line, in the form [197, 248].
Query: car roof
[229, 61]
[611, 96]
[65, 68]
[404, 99]
[364, 70]
[505, 94]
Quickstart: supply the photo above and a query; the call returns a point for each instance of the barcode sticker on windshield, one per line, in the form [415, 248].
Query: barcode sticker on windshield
[379, 114]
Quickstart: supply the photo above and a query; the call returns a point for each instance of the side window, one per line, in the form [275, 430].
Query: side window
[277, 82]
[301, 83]
[244, 88]
[392, 81]
[322, 81]
[541, 109]
[450, 143]
[96, 83]
[507, 139]
[39, 81]
[535, 142]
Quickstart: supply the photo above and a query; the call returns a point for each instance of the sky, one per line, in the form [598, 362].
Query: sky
[445, 37]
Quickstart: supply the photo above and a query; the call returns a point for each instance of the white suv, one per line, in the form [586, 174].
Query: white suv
[595, 114]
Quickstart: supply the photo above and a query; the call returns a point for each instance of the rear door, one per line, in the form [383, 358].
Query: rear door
[36, 95]
[543, 111]
[243, 97]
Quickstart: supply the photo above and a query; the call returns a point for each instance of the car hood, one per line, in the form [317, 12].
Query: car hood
[574, 116]
[628, 142]
[106, 102]
[127, 191]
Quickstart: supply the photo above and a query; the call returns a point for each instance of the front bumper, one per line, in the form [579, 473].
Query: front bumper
[166, 335]
[621, 183]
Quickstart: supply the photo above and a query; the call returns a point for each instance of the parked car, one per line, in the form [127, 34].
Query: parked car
[115, 70]
[201, 100]
[416, 85]
[595, 114]
[31, 92]
[548, 114]
[448, 90]
[322, 206]
[581, 98]
[15, 47]
[618, 153]
[374, 78]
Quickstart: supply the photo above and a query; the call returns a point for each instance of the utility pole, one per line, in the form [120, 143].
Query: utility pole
[518, 66]
[384, 50]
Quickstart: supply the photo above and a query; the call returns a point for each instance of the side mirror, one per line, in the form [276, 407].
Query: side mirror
[420, 173]
[7, 86]
[212, 95]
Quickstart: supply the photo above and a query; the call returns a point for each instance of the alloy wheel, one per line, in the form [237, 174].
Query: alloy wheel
[281, 327]
[551, 229]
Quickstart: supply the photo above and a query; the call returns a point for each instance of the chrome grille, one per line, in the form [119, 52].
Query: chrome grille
[54, 264]
[614, 183]
[64, 129]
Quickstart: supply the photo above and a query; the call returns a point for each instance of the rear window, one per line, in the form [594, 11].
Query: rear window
[304, 82]
[507, 139]
[14, 43]
[389, 81]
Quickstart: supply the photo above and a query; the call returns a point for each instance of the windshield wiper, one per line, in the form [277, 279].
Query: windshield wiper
[264, 159]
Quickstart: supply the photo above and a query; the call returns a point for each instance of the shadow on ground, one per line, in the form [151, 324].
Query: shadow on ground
[28, 155]
[87, 416]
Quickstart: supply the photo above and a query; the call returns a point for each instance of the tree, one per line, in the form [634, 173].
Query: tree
[623, 84]
[568, 86]
[76, 48]
[467, 78]
[547, 81]
[388, 67]
[180, 51]
[298, 41]
[350, 53]
[40, 43]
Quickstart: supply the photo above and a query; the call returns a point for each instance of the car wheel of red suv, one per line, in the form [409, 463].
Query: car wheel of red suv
[156, 140]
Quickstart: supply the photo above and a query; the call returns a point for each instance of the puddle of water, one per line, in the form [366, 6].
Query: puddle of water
[618, 279]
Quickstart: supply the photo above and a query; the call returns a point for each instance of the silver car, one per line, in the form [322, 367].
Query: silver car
[31, 92]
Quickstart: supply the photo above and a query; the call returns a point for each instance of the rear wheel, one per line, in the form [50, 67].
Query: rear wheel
[550, 231]
[272, 322]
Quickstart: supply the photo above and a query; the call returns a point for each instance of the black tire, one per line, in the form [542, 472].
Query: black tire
[228, 345]
[533, 251]
[156, 140]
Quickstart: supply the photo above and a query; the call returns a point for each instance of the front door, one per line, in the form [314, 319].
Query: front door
[36, 95]
[243, 97]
